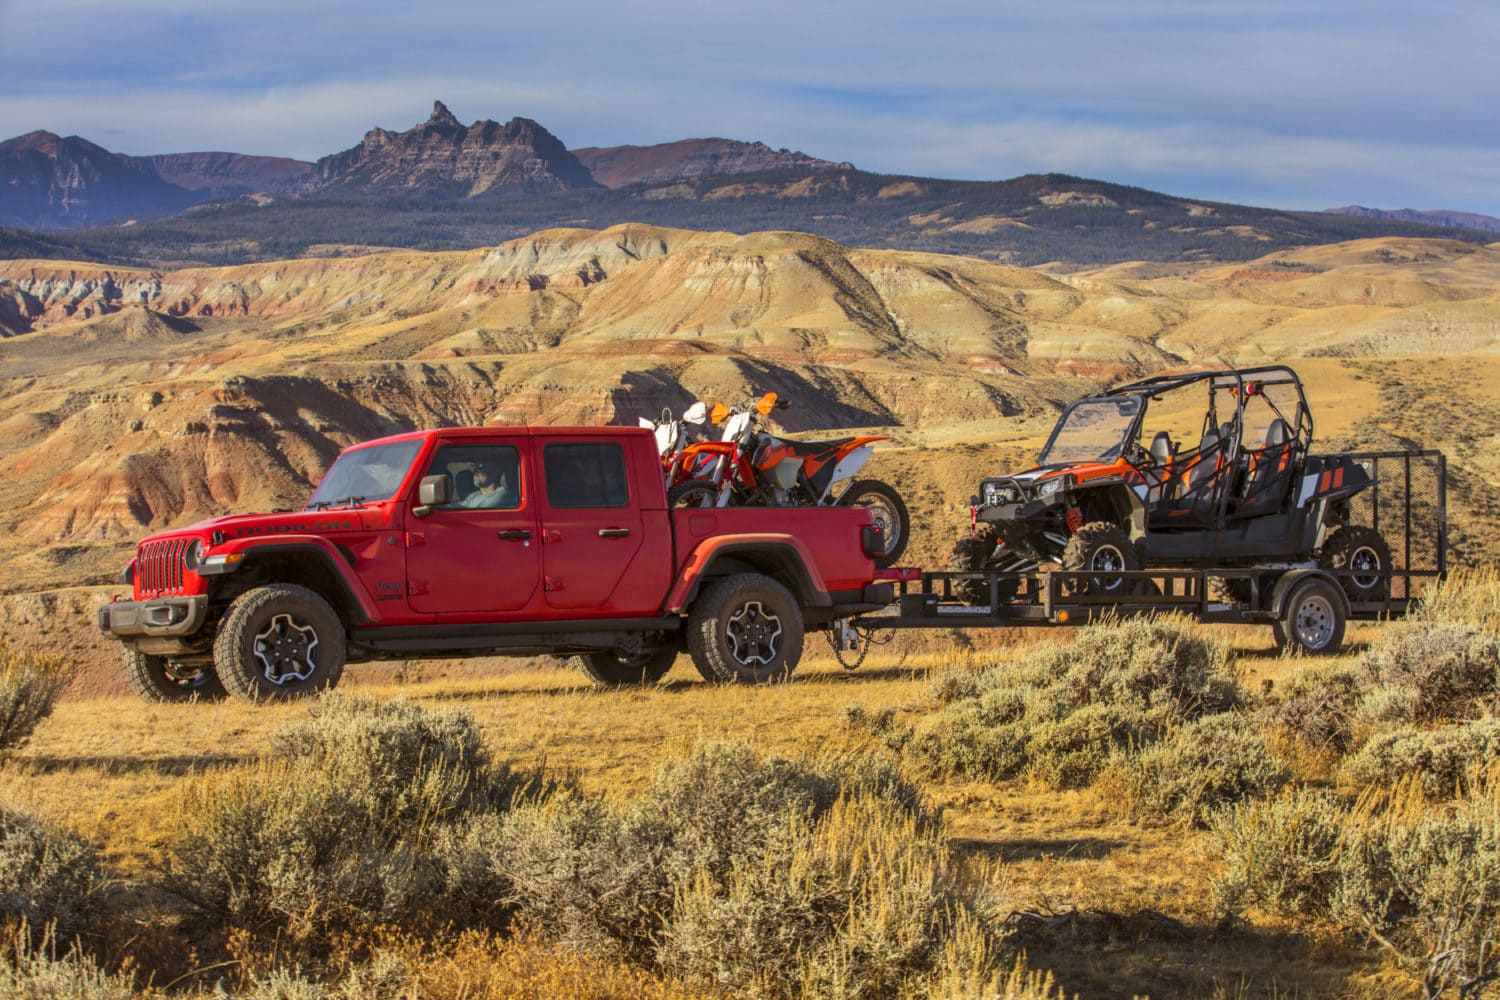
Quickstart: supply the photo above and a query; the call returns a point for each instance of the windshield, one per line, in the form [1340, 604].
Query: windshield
[1092, 429]
[366, 474]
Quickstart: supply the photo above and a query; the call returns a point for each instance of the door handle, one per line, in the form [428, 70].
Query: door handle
[514, 535]
[613, 532]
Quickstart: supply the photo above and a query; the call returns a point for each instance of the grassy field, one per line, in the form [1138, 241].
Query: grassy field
[1114, 901]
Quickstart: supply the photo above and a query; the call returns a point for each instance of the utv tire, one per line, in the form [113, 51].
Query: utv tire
[279, 641]
[975, 553]
[889, 512]
[1363, 552]
[158, 679]
[745, 628]
[693, 493]
[613, 670]
[1100, 546]
[1312, 620]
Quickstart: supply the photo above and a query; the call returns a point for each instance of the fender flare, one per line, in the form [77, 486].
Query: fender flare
[787, 553]
[352, 592]
[1292, 579]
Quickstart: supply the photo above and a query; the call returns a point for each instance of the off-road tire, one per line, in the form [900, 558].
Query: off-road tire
[889, 512]
[156, 679]
[693, 493]
[613, 670]
[1312, 619]
[974, 553]
[1359, 549]
[273, 634]
[745, 629]
[1102, 546]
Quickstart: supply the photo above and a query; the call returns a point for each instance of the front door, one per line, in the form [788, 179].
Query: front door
[592, 527]
[481, 552]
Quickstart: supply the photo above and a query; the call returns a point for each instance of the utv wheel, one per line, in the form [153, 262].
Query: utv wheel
[888, 511]
[1100, 547]
[1312, 620]
[279, 641]
[975, 553]
[614, 670]
[745, 628]
[159, 679]
[1363, 553]
[693, 493]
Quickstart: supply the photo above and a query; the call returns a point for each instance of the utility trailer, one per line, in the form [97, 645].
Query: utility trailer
[1306, 604]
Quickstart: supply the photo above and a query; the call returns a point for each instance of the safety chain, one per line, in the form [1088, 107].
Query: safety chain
[854, 635]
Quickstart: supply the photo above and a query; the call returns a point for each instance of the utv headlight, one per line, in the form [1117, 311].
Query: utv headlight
[1050, 487]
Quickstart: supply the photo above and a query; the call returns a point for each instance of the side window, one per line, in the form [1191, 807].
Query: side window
[588, 474]
[483, 476]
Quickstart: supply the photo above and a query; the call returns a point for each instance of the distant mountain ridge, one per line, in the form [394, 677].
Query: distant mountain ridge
[1427, 217]
[619, 166]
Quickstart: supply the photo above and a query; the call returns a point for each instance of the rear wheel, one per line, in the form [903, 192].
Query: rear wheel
[1312, 620]
[888, 511]
[279, 641]
[1364, 554]
[614, 670]
[159, 679]
[745, 628]
[1105, 548]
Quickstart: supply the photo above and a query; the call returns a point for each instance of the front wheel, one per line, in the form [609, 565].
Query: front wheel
[279, 641]
[159, 679]
[614, 670]
[693, 493]
[1103, 547]
[887, 510]
[745, 628]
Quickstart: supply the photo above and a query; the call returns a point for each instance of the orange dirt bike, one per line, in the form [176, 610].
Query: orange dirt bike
[751, 467]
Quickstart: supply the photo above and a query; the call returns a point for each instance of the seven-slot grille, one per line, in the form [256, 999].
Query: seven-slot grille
[161, 566]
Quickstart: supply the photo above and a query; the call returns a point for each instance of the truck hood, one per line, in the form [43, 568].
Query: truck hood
[299, 522]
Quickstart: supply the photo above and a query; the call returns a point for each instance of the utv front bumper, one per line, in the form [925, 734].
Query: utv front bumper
[157, 618]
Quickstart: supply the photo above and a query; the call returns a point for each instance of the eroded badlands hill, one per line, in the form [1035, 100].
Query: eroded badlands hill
[137, 399]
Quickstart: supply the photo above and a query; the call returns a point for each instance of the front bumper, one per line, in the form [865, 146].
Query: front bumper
[157, 618]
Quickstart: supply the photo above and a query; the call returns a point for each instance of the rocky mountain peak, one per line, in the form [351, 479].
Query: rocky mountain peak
[442, 116]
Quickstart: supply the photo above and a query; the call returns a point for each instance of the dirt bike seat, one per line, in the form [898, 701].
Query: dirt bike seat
[812, 449]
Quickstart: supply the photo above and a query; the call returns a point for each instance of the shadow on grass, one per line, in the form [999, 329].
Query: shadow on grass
[169, 767]
[1026, 849]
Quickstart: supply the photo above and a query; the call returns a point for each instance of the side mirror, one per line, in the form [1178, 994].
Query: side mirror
[695, 414]
[433, 491]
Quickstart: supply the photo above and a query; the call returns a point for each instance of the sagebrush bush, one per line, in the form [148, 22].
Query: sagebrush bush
[1205, 764]
[1467, 597]
[1421, 880]
[31, 970]
[1061, 712]
[1318, 703]
[1280, 853]
[1431, 673]
[30, 685]
[343, 822]
[48, 876]
[1440, 758]
[725, 843]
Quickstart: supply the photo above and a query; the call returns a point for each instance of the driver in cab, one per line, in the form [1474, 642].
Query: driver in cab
[490, 488]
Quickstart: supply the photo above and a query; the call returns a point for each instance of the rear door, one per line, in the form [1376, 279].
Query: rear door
[481, 552]
[591, 524]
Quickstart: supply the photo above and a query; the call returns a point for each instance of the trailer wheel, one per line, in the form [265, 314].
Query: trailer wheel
[613, 670]
[1100, 546]
[279, 641]
[745, 628]
[1365, 554]
[159, 679]
[1312, 620]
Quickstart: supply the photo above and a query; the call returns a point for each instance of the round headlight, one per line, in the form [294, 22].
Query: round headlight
[194, 555]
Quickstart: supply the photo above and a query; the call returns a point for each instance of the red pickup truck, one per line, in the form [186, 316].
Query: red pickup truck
[488, 541]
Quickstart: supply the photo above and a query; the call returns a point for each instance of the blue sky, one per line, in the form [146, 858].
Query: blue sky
[1306, 104]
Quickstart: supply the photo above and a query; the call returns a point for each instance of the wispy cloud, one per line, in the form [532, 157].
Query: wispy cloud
[1267, 102]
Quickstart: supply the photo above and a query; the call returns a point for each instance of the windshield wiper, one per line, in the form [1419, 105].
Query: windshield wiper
[340, 502]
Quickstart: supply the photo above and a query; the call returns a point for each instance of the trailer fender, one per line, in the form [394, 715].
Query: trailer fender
[1289, 582]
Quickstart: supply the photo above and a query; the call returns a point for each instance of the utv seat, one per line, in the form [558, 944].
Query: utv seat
[1269, 473]
[1194, 497]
